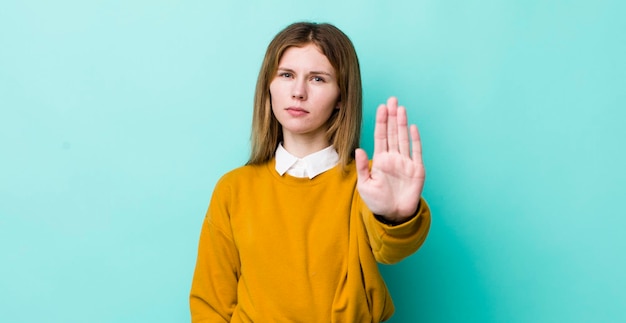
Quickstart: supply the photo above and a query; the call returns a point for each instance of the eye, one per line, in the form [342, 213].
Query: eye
[318, 79]
[285, 74]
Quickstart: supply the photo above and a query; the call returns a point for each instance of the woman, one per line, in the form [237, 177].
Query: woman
[296, 234]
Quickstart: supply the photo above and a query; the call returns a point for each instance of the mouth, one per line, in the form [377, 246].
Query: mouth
[296, 111]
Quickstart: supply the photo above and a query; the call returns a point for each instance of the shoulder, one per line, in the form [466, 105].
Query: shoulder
[244, 174]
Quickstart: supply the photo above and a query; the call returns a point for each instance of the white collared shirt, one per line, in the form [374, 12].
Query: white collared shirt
[308, 166]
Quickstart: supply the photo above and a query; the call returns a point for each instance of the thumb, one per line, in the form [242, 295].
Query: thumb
[362, 165]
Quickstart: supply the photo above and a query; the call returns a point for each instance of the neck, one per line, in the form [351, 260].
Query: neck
[301, 146]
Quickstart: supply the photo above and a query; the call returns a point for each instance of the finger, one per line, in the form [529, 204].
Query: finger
[403, 133]
[392, 126]
[416, 145]
[362, 165]
[380, 131]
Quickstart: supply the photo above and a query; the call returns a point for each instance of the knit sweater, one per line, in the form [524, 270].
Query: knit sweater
[285, 249]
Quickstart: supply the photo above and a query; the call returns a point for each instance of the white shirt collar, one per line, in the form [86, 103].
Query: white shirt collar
[308, 166]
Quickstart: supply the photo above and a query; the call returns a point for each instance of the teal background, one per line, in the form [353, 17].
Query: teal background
[118, 117]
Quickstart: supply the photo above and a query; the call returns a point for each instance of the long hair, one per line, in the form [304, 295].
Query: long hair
[344, 125]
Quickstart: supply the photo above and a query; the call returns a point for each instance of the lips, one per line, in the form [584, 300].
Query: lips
[297, 112]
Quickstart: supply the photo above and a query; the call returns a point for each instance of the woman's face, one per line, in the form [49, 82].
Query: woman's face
[304, 92]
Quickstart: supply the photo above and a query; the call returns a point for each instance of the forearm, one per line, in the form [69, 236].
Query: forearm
[392, 242]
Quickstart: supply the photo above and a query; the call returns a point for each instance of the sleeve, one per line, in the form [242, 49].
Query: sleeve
[213, 295]
[390, 243]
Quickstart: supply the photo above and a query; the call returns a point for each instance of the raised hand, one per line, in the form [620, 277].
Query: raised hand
[393, 186]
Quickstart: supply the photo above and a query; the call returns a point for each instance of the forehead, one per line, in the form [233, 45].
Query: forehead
[305, 57]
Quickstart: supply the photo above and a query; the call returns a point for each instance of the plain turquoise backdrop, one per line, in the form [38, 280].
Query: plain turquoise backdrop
[118, 117]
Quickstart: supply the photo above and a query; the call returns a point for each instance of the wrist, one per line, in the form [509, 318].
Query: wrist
[398, 219]
[394, 222]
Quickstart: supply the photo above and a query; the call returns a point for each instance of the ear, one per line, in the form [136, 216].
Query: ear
[338, 105]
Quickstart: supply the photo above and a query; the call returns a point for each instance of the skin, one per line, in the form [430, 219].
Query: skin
[304, 94]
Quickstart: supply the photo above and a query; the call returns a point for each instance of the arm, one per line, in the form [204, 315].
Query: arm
[397, 218]
[213, 296]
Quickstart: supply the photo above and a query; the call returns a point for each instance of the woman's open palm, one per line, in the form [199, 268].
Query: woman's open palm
[393, 186]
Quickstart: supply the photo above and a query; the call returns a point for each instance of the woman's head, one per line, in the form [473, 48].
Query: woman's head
[345, 122]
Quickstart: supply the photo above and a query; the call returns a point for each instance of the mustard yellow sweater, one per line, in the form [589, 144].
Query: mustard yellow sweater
[287, 249]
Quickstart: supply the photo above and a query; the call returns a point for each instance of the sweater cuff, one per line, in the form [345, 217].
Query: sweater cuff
[408, 226]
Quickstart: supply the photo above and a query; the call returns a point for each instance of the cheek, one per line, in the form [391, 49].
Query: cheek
[332, 98]
[276, 88]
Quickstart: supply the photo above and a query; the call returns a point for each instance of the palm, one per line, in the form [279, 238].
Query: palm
[393, 186]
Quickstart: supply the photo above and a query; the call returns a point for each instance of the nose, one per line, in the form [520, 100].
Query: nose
[298, 90]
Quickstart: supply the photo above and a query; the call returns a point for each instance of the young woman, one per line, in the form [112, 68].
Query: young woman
[296, 234]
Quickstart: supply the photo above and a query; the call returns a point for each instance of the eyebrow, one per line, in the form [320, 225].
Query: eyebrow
[285, 69]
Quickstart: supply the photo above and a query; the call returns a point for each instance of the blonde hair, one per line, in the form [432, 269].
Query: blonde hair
[344, 125]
